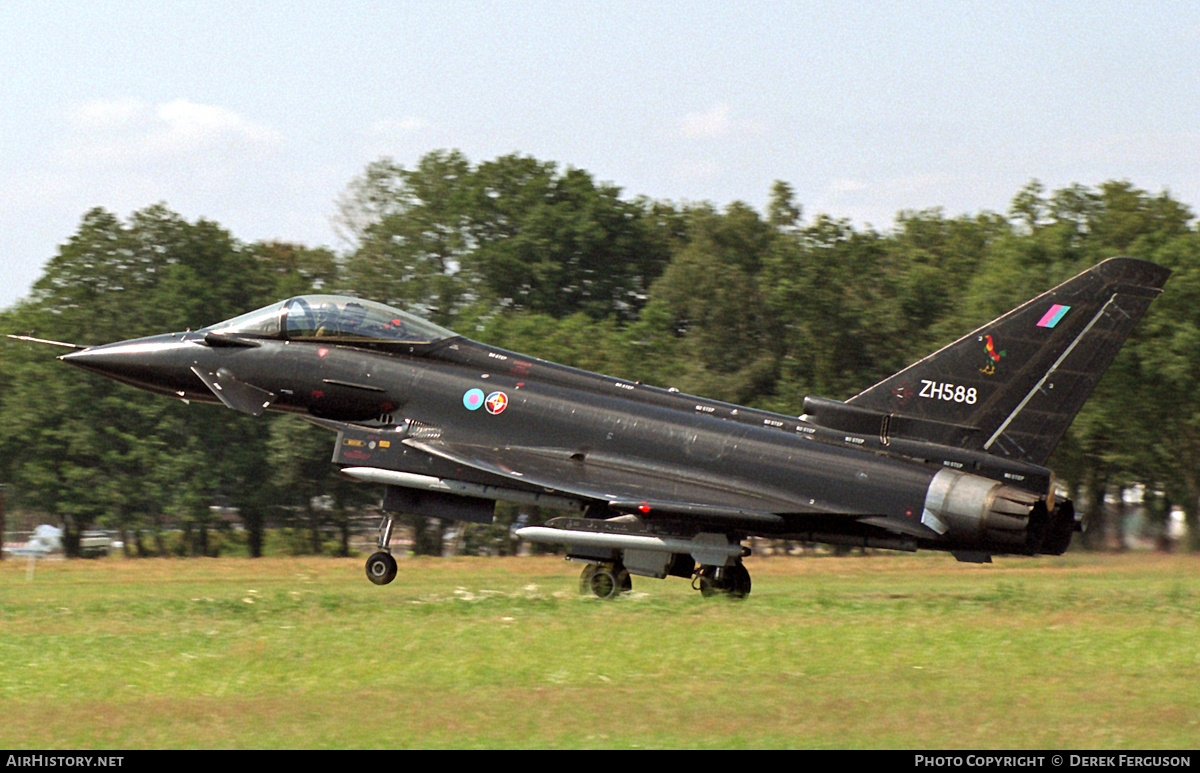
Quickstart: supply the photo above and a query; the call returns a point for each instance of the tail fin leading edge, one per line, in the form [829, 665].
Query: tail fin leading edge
[1013, 386]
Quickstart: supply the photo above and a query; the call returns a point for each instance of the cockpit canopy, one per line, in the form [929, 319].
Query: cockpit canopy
[333, 318]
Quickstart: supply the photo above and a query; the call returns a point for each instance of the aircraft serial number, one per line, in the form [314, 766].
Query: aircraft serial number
[951, 393]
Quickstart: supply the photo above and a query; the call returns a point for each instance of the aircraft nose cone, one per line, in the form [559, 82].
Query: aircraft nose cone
[113, 359]
[154, 361]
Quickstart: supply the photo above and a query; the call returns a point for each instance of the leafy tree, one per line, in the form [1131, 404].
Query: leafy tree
[512, 234]
[559, 244]
[90, 451]
[1159, 419]
[305, 489]
[706, 322]
[411, 236]
[828, 292]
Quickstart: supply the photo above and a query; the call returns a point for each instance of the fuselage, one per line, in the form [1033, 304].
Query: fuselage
[499, 399]
[944, 454]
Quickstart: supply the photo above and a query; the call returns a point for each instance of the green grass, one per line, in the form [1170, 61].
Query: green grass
[1082, 652]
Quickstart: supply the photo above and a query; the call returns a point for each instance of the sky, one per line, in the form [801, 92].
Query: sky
[259, 115]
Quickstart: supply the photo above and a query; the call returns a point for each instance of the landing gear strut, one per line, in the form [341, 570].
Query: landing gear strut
[732, 581]
[606, 581]
[381, 566]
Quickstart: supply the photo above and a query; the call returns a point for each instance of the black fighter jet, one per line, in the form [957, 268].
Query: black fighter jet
[948, 454]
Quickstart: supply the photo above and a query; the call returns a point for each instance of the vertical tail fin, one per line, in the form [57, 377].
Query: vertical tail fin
[1013, 386]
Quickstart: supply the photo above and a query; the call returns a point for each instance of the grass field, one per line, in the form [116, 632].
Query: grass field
[879, 652]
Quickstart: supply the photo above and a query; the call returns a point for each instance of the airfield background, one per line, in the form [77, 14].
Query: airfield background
[756, 308]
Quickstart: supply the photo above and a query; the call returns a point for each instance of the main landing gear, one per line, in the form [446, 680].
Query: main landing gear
[381, 566]
[608, 580]
[732, 581]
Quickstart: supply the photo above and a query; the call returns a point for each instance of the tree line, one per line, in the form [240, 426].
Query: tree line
[756, 308]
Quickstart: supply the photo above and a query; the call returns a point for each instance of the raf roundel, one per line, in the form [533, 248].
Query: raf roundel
[496, 402]
[473, 399]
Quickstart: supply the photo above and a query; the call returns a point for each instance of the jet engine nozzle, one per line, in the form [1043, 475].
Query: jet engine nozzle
[980, 513]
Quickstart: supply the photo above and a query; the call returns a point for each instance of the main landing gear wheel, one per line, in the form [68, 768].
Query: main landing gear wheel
[381, 568]
[731, 581]
[606, 581]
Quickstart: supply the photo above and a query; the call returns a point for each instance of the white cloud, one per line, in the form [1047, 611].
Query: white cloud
[187, 125]
[390, 127]
[130, 131]
[879, 201]
[714, 122]
[840, 186]
[1139, 149]
[100, 114]
[719, 122]
[694, 169]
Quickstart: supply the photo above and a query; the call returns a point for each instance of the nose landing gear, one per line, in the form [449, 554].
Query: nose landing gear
[381, 566]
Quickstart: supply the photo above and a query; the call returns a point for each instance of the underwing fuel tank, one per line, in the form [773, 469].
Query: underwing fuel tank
[711, 549]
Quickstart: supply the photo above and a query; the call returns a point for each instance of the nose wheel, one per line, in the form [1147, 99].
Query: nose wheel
[381, 566]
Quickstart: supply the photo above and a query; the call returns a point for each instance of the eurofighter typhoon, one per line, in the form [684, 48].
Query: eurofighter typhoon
[948, 454]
